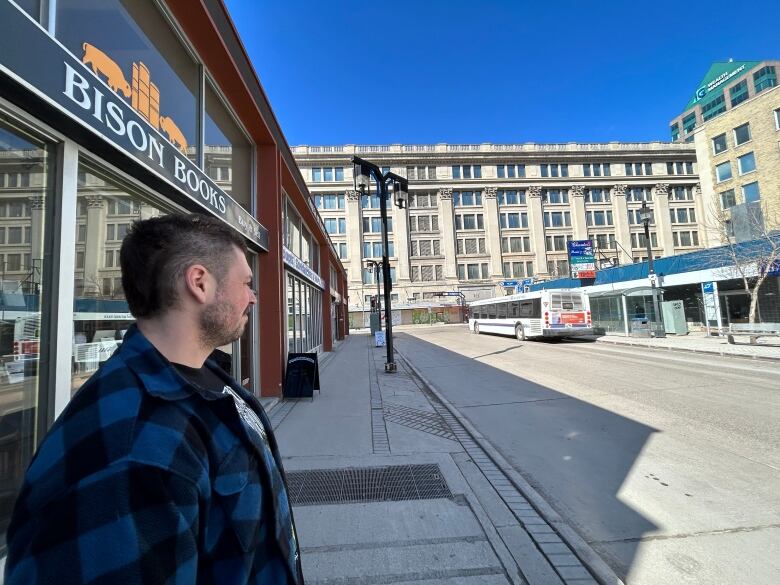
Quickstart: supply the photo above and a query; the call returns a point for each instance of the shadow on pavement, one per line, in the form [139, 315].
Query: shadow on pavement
[575, 454]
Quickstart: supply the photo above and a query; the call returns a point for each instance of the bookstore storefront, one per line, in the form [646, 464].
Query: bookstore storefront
[107, 116]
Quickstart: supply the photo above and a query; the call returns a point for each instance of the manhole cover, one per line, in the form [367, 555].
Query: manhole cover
[367, 484]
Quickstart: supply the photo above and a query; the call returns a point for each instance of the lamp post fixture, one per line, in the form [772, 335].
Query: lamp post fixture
[377, 271]
[646, 216]
[385, 183]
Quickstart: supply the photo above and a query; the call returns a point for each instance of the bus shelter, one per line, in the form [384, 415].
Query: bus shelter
[629, 311]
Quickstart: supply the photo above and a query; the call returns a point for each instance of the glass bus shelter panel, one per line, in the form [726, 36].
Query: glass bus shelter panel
[607, 314]
[25, 172]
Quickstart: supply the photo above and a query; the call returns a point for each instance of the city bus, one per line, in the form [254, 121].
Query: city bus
[552, 313]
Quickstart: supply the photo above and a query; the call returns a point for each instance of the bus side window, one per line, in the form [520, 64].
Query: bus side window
[537, 309]
[526, 308]
[491, 311]
[501, 310]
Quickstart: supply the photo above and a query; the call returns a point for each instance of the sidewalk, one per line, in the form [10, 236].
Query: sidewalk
[768, 348]
[391, 486]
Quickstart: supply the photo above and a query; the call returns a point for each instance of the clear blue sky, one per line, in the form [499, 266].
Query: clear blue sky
[376, 72]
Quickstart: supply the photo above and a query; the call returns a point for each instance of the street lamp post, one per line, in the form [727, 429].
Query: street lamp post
[363, 171]
[377, 271]
[646, 216]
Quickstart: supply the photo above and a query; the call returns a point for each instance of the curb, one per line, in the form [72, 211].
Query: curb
[689, 350]
[595, 564]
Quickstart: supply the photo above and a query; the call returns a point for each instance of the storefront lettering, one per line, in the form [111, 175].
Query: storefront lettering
[79, 90]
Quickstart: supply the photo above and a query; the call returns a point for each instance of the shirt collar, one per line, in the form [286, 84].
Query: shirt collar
[157, 375]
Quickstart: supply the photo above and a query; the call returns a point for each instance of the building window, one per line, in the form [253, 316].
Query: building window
[741, 134]
[596, 170]
[557, 219]
[510, 171]
[728, 199]
[739, 93]
[680, 193]
[471, 246]
[747, 163]
[638, 194]
[675, 130]
[597, 196]
[764, 78]
[420, 173]
[373, 225]
[719, 144]
[639, 169]
[516, 244]
[335, 201]
[723, 171]
[598, 217]
[685, 239]
[466, 171]
[777, 119]
[556, 243]
[683, 215]
[750, 192]
[555, 196]
[473, 272]
[424, 223]
[638, 240]
[327, 174]
[342, 250]
[679, 168]
[375, 249]
[335, 225]
[513, 220]
[469, 221]
[467, 198]
[511, 198]
[689, 123]
[423, 200]
[554, 170]
[713, 108]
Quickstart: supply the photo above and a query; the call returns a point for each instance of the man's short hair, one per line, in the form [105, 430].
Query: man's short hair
[156, 253]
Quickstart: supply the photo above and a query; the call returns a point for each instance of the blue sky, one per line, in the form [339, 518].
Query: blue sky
[377, 72]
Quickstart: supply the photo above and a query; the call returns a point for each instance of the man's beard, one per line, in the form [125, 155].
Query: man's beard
[216, 328]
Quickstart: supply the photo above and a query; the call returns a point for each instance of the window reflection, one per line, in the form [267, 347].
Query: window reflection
[105, 211]
[128, 44]
[31, 7]
[227, 152]
[24, 175]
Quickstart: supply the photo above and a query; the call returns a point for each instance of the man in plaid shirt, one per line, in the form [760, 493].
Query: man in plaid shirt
[162, 469]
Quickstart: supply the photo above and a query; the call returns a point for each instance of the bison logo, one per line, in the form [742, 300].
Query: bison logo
[145, 95]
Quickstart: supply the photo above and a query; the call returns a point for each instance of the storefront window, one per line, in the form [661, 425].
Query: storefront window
[100, 312]
[128, 44]
[24, 175]
[227, 152]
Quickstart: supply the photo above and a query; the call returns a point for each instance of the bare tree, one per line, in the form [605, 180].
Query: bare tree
[750, 234]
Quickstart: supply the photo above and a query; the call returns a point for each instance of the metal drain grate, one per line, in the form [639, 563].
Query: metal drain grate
[367, 484]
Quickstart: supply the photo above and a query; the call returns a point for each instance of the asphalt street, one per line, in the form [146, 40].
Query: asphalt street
[667, 464]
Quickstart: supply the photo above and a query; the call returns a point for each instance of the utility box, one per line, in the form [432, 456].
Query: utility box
[674, 317]
[375, 322]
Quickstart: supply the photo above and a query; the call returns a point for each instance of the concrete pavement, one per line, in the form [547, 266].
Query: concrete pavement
[390, 485]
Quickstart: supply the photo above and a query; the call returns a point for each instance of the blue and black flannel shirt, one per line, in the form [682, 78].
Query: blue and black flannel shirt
[145, 478]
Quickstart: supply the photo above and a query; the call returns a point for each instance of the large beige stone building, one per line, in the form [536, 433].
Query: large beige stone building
[480, 214]
[733, 121]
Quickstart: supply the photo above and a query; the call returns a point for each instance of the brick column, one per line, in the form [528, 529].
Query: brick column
[447, 229]
[493, 232]
[327, 325]
[271, 300]
[536, 224]
[622, 228]
[663, 225]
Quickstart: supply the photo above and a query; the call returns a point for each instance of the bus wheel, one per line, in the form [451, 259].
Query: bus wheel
[476, 328]
[520, 333]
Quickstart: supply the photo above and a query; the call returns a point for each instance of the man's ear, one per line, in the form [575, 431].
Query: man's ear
[198, 283]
